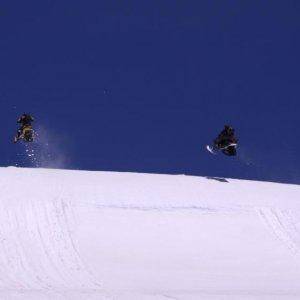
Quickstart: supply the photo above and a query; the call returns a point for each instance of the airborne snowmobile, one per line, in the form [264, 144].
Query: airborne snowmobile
[25, 132]
[225, 142]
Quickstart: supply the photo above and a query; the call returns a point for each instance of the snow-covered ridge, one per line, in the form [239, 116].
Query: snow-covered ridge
[107, 235]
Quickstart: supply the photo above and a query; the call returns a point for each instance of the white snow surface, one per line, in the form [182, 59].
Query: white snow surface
[126, 236]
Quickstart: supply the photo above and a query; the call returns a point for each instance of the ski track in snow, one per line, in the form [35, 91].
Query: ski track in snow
[282, 224]
[37, 241]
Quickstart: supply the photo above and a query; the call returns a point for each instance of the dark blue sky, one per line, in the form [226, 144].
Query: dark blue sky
[144, 85]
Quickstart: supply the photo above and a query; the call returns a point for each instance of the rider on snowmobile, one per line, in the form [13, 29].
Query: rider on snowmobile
[225, 138]
[25, 120]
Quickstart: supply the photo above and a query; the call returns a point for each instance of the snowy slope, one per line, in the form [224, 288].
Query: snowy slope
[104, 235]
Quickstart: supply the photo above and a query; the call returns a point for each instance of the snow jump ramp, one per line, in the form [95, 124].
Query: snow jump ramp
[126, 236]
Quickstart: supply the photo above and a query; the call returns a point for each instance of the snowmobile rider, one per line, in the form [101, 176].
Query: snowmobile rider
[25, 120]
[225, 138]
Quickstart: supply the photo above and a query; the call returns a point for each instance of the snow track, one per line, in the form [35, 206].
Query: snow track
[282, 224]
[37, 250]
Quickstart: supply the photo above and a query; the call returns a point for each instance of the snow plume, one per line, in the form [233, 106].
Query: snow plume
[45, 151]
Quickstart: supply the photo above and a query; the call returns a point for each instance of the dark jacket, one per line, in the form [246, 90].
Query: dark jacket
[25, 120]
[226, 137]
[227, 133]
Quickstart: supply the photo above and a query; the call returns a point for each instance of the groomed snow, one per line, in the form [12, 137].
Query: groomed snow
[126, 236]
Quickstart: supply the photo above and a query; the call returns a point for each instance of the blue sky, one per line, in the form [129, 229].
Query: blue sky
[144, 85]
